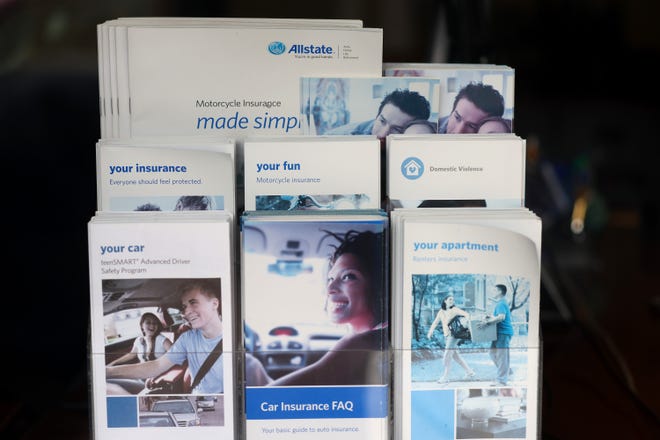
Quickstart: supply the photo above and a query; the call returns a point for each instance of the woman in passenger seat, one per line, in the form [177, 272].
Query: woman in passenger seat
[151, 345]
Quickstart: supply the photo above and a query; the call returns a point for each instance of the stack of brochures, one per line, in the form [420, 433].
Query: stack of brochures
[295, 240]
[161, 298]
[178, 96]
[221, 77]
[165, 175]
[465, 262]
[314, 277]
[465, 289]
[290, 173]
[454, 170]
[229, 77]
[314, 285]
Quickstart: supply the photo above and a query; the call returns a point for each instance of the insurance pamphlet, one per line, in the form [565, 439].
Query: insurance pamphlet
[113, 56]
[232, 81]
[314, 287]
[466, 323]
[287, 173]
[456, 170]
[165, 175]
[161, 301]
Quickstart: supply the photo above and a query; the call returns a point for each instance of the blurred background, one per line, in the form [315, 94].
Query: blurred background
[586, 102]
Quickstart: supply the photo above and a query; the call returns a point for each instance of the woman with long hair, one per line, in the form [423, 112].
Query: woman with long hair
[151, 345]
[447, 313]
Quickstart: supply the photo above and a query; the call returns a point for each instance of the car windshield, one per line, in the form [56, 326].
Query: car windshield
[156, 420]
[303, 290]
[176, 407]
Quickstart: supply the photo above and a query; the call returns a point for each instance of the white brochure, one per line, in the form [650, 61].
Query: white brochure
[314, 287]
[163, 176]
[234, 81]
[311, 173]
[115, 72]
[456, 170]
[161, 307]
[467, 357]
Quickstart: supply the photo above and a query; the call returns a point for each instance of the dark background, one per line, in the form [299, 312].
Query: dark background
[586, 101]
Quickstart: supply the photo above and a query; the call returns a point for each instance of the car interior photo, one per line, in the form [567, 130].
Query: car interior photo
[124, 302]
[290, 264]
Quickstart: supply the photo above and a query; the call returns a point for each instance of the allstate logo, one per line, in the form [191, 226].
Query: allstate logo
[276, 48]
[412, 168]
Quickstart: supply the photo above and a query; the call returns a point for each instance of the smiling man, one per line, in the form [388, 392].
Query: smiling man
[397, 109]
[499, 351]
[200, 305]
[474, 103]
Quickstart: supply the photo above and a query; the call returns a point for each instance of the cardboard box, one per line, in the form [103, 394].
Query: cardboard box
[487, 333]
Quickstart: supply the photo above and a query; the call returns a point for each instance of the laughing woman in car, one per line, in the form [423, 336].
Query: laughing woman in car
[151, 345]
[355, 296]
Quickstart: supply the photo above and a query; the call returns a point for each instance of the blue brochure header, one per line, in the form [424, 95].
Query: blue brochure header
[263, 403]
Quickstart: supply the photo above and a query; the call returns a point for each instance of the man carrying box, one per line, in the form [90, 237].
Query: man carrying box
[499, 349]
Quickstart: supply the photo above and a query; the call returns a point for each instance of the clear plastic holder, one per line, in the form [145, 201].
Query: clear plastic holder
[130, 408]
[314, 287]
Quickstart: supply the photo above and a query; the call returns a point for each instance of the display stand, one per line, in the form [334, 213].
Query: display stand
[273, 368]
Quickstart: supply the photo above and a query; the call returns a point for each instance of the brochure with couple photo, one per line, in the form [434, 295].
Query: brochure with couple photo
[378, 106]
[465, 326]
[474, 98]
[161, 325]
[315, 291]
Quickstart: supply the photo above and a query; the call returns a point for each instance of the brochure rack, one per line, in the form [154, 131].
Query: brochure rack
[479, 240]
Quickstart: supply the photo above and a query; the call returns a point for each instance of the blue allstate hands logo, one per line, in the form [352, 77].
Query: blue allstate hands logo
[276, 48]
[412, 168]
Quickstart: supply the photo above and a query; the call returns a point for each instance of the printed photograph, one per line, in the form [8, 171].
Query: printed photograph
[471, 100]
[167, 203]
[469, 328]
[181, 411]
[370, 106]
[304, 202]
[163, 336]
[487, 413]
[315, 303]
